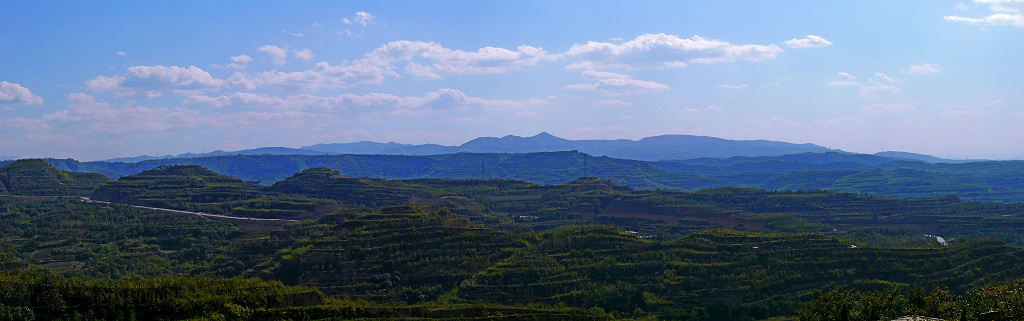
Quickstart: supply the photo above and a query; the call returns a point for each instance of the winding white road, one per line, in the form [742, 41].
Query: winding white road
[88, 200]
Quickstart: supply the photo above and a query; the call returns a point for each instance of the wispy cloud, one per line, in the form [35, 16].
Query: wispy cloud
[139, 79]
[811, 41]
[883, 77]
[242, 59]
[843, 83]
[360, 18]
[835, 122]
[962, 113]
[304, 54]
[873, 88]
[730, 86]
[923, 69]
[1002, 13]
[871, 108]
[692, 110]
[277, 53]
[352, 105]
[658, 51]
[613, 84]
[612, 102]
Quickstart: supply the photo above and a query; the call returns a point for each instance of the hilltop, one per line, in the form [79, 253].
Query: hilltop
[36, 177]
[986, 181]
[480, 248]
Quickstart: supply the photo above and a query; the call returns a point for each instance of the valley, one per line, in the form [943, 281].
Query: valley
[587, 248]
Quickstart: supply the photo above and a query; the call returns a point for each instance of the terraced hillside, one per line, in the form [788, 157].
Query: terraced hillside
[433, 257]
[407, 254]
[35, 177]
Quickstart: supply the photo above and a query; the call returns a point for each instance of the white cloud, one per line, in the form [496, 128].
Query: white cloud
[454, 99]
[886, 107]
[324, 75]
[613, 84]
[88, 116]
[361, 18]
[304, 54]
[873, 88]
[11, 93]
[421, 71]
[730, 86]
[994, 102]
[847, 76]
[835, 122]
[487, 60]
[150, 78]
[424, 60]
[883, 77]
[811, 41]
[657, 51]
[120, 53]
[277, 53]
[1003, 13]
[105, 83]
[352, 105]
[22, 126]
[599, 75]
[962, 113]
[843, 83]
[923, 69]
[243, 81]
[612, 102]
[242, 59]
[692, 110]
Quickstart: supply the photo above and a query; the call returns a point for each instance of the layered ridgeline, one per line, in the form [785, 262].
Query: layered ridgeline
[649, 149]
[989, 181]
[518, 205]
[439, 248]
[194, 188]
[34, 177]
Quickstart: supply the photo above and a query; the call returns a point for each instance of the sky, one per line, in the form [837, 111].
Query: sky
[93, 80]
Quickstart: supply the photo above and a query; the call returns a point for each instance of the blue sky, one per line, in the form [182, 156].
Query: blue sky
[101, 79]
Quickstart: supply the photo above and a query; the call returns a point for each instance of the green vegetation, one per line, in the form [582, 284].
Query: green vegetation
[34, 177]
[483, 249]
[988, 181]
[999, 301]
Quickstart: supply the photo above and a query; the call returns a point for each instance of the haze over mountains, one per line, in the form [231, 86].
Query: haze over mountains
[664, 147]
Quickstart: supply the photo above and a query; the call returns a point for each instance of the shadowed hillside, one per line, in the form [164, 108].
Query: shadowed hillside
[35, 177]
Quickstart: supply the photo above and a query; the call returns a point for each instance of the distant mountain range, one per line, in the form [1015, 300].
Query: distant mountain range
[648, 149]
[656, 148]
[254, 151]
[986, 181]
